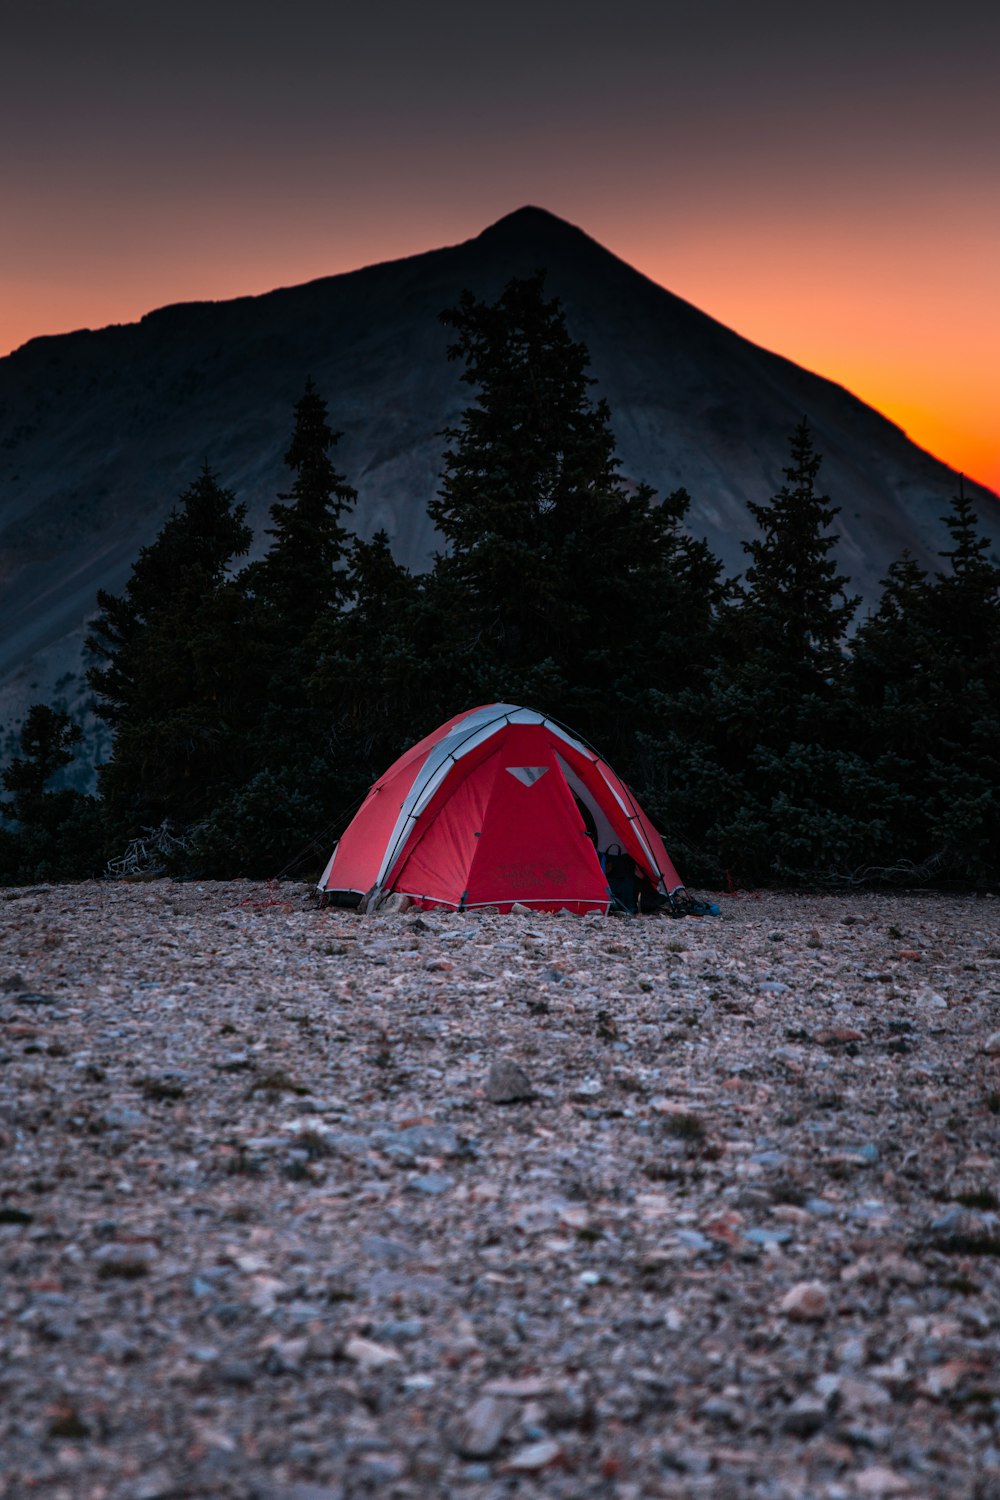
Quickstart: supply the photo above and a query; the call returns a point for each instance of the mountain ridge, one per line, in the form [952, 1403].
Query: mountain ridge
[101, 430]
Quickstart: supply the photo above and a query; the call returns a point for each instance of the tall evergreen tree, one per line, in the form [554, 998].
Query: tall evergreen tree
[167, 652]
[565, 585]
[294, 598]
[796, 612]
[926, 688]
[369, 682]
[301, 577]
[758, 778]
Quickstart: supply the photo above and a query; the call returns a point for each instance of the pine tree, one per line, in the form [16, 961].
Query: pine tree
[926, 686]
[58, 833]
[562, 585]
[369, 680]
[796, 608]
[302, 577]
[757, 777]
[168, 654]
[48, 744]
[294, 597]
[969, 593]
[299, 585]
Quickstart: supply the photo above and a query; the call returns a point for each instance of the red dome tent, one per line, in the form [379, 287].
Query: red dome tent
[499, 805]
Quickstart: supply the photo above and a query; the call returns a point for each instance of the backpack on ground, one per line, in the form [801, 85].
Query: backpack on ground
[622, 877]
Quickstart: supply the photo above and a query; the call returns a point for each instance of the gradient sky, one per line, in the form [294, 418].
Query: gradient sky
[824, 179]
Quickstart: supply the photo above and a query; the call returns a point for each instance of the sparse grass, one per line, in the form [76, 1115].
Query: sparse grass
[984, 1198]
[66, 1422]
[681, 1174]
[977, 1395]
[340, 1292]
[784, 1191]
[685, 1127]
[162, 1090]
[122, 1270]
[962, 1285]
[970, 1244]
[275, 1081]
[314, 1144]
[242, 1164]
[606, 1026]
[10, 1215]
[629, 1084]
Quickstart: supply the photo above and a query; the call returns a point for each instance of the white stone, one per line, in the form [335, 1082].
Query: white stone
[806, 1302]
[369, 1355]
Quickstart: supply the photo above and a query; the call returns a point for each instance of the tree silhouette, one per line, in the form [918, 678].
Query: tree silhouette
[167, 653]
[58, 833]
[564, 584]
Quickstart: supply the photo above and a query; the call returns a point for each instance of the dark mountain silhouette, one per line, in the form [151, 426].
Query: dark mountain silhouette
[100, 431]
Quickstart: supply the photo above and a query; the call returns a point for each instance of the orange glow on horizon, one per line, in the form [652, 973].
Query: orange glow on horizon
[927, 365]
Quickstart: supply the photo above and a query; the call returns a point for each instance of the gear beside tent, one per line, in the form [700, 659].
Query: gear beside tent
[500, 807]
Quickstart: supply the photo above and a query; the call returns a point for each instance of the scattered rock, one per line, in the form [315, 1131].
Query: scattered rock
[879, 1481]
[534, 1456]
[431, 1183]
[480, 1431]
[157, 1484]
[239, 1373]
[508, 1083]
[369, 1355]
[806, 1302]
[310, 1265]
[805, 1416]
[125, 1260]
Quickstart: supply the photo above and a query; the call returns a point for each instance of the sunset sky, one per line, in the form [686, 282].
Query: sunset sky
[824, 179]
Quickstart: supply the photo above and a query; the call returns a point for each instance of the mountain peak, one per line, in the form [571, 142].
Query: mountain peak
[530, 221]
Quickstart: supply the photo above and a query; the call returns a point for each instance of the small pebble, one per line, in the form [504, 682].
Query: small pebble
[806, 1302]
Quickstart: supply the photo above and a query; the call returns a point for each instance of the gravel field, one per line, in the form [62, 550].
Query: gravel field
[302, 1205]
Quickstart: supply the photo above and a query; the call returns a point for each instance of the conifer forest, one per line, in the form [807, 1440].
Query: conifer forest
[776, 734]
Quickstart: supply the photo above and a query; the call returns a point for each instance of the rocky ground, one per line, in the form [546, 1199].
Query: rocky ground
[301, 1205]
